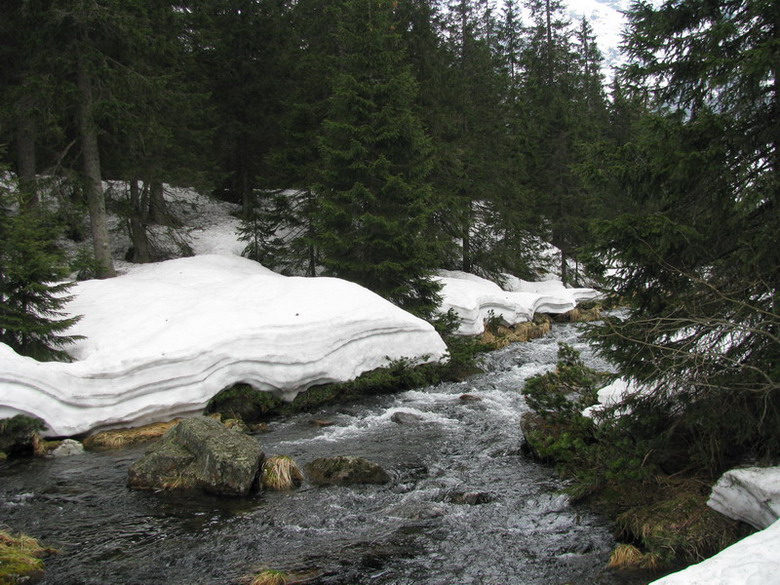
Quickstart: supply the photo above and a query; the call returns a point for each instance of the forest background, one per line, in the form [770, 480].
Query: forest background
[381, 140]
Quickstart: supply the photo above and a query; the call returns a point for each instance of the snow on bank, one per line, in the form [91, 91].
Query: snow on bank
[750, 494]
[162, 340]
[475, 299]
[751, 561]
[612, 395]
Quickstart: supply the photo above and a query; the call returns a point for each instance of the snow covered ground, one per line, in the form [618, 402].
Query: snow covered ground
[161, 339]
[751, 561]
[475, 300]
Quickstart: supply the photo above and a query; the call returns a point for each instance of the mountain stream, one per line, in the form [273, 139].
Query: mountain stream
[464, 506]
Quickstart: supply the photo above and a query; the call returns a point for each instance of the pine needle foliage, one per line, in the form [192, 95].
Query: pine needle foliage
[700, 258]
[32, 290]
[375, 194]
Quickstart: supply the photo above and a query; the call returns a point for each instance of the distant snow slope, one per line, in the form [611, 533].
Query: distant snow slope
[476, 299]
[607, 20]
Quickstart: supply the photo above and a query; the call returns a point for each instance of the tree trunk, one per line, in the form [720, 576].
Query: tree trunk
[467, 261]
[137, 226]
[93, 186]
[158, 209]
[26, 162]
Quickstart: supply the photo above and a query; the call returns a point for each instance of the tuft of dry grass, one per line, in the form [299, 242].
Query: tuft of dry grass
[678, 524]
[627, 556]
[281, 473]
[121, 438]
[270, 577]
[501, 335]
[580, 315]
[39, 446]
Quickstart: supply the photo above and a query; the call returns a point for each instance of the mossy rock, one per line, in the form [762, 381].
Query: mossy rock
[345, 471]
[20, 435]
[20, 559]
[201, 453]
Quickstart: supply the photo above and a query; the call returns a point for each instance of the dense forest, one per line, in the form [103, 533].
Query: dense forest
[381, 140]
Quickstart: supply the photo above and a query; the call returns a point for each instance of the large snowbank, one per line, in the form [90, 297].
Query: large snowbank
[476, 299]
[162, 340]
[751, 561]
[750, 494]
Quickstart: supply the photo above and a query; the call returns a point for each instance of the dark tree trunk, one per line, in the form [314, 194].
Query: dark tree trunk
[93, 184]
[26, 162]
[467, 265]
[137, 226]
[159, 212]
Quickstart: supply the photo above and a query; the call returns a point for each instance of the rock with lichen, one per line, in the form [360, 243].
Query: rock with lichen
[200, 453]
[344, 471]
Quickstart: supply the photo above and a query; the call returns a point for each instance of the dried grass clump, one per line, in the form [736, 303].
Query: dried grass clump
[501, 335]
[270, 577]
[121, 438]
[281, 473]
[627, 556]
[580, 315]
[679, 526]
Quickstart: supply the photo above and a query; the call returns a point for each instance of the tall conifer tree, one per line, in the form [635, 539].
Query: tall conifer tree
[375, 193]
[702, 265]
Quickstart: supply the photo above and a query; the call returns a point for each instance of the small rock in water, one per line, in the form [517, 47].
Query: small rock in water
[67, 448]
[318, 422]
[471, 498]
[405, 418]
[344, 471]
[469, 398]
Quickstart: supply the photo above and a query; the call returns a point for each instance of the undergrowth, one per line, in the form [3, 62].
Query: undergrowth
[21, 559]
[617, 464]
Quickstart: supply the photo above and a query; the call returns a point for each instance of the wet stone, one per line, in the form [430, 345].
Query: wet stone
[200, 453]
[345, 471]
[405, 418]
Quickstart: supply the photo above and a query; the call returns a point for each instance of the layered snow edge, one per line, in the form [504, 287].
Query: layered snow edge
[475, 300]
[162, 341]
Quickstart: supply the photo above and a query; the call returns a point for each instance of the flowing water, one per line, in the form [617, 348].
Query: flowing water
[464, 507]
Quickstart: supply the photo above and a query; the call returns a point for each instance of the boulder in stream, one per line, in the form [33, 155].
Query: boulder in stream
[344, 471]
[405, 418]
[200, 453]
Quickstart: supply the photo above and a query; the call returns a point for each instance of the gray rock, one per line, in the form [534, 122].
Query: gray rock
[470, 398]
[405, 418]
[344, 471]
[471, 498]
[200, 453]
[67, 448]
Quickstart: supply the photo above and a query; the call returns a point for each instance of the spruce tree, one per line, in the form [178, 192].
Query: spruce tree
[375, 193]
[701, 262]
[32, 289]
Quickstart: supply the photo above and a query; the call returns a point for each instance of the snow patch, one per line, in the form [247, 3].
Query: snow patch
[164, 339]
[475, 299]
[751, 561]
[750, 494]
